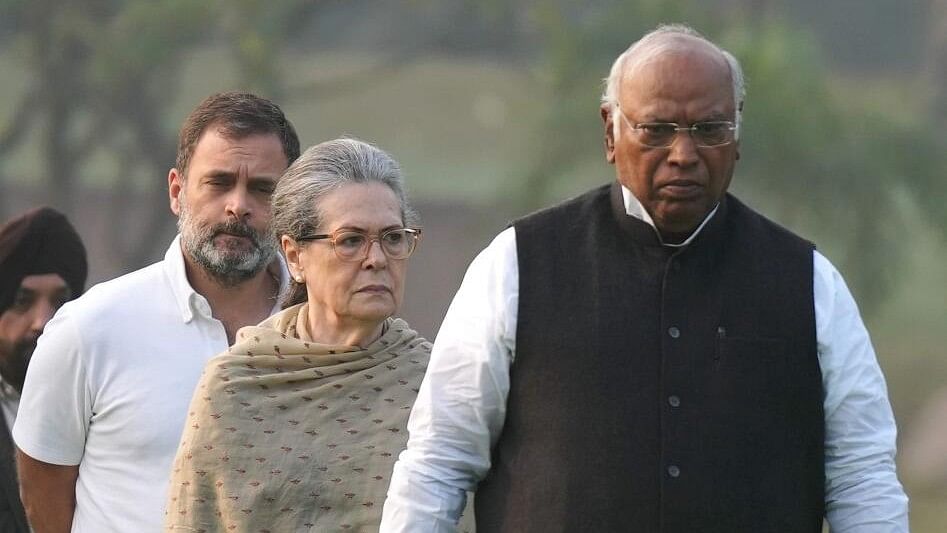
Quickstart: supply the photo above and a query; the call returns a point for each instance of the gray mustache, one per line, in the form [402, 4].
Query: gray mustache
[239, 229]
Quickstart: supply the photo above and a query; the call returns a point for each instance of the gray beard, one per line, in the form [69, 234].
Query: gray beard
[228, 267]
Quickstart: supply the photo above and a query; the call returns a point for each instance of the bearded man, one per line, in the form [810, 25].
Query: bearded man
[107, 393]
[42, 265]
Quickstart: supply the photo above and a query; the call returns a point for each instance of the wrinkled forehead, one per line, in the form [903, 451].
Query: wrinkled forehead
[671, 44]
[366, 205]
[674, 75]
[666, 52]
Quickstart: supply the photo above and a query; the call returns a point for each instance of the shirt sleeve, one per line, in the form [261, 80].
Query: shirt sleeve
[461, 406]
[55, 408]
[862, 491]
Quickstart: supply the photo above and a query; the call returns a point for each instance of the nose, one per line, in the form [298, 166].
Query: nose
[375, 258]
[238, 203]
[42, 312]
[683, 150]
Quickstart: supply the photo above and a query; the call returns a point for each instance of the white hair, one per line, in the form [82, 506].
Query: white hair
[613, 81]
[320, 170]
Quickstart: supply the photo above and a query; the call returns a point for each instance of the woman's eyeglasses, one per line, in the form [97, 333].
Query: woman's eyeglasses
[352, 245]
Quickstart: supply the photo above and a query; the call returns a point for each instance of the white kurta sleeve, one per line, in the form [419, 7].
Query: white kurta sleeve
[862, 491]
[461, 406]
[56, 406]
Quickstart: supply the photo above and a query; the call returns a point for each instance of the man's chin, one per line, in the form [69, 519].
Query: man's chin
[232, 253]
[234, 257]
[682, 215]
[231, 269]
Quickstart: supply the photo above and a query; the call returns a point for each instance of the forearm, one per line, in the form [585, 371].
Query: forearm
[862, 491]
[876, 503]
[448, 452]
[48, 493]
[419, 503]
[461, 407]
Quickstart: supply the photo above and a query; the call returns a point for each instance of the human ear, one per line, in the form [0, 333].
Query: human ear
[291, 250]
[605, 112]
[175, 186]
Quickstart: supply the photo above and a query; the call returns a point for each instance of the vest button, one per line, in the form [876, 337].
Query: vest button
[674, 471]
[674, 332]
[674, 401]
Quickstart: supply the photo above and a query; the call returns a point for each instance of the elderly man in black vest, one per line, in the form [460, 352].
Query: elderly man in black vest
[653, 355]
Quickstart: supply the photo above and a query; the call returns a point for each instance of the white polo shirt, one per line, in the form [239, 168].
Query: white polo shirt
[109, 386]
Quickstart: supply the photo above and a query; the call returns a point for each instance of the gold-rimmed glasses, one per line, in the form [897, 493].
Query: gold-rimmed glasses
[353, 245]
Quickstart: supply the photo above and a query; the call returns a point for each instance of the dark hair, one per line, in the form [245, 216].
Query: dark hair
[236, 115]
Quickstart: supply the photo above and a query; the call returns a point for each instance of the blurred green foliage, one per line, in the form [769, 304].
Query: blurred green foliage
[836, 167]
[835, 159]
[103, 74]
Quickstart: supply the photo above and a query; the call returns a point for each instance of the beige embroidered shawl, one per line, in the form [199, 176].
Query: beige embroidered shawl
[285, 435]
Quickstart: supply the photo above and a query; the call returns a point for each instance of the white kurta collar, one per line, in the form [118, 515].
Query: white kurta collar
[634, 208]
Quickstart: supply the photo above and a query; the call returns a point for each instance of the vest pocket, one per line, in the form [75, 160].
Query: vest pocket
[750, 428]
[753, 352]
[751, 369]
[753, 376]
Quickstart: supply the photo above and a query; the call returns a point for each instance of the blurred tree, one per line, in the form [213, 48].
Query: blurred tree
[835, 168]
[103, 74]
[937, 57]
[578, 44]
[103, 78]
[836, 165]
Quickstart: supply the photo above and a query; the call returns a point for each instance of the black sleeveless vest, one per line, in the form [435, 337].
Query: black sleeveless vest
[657, 389]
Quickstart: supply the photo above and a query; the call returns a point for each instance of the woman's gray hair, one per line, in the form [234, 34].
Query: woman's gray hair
[613, 81]
[320, 170]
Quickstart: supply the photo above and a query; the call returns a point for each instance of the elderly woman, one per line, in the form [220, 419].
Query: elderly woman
[298, 425]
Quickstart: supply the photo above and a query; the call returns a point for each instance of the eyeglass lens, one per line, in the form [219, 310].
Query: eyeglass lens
[396, 244]
[661, 134]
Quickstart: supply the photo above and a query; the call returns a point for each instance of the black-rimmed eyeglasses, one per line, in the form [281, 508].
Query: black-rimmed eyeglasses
[352, 245]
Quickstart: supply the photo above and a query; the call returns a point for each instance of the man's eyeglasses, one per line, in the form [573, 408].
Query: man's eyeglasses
[351, 245]
[706, 134]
